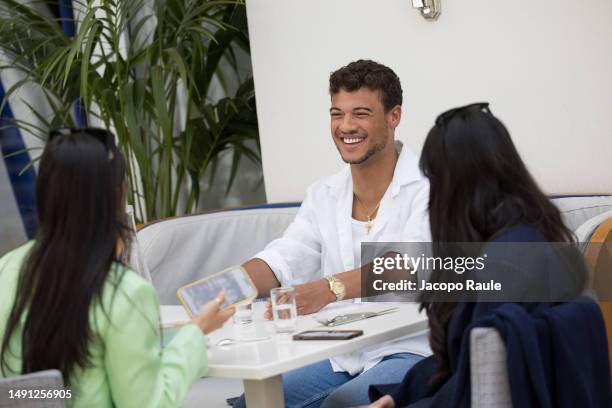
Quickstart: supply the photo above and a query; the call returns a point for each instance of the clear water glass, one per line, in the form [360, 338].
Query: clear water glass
[244, 314]
[284, 311]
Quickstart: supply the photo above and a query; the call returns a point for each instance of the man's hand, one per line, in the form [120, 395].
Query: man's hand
[309, 298]
[313, 296]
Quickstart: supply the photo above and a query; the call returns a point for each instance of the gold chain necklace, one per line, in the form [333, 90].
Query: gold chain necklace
[369, 223]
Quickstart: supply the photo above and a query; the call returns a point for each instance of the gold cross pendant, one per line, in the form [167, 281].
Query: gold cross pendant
[369, 226]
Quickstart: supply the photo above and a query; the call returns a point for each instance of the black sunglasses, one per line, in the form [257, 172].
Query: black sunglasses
[103, 135]
[444, 117]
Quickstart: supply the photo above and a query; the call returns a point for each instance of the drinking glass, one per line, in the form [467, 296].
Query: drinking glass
[244, 314]
[284, 310]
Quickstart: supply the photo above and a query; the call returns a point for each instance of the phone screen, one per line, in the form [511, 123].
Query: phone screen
[235, 281]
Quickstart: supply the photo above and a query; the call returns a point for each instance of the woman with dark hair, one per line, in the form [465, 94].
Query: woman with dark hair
[481, 192]
[68, 303]
[479, 188]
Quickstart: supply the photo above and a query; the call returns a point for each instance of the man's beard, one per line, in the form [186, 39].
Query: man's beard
[371, 152]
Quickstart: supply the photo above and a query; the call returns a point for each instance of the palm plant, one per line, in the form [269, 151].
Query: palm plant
[144, 69]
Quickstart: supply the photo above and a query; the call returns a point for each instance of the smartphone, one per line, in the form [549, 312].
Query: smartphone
[238, 286]
[327, 334]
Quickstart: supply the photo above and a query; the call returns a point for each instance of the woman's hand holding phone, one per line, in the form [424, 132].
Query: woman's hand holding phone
[211, 317]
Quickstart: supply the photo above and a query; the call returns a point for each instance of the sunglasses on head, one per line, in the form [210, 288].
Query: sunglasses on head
[444, 117]
[103, 135]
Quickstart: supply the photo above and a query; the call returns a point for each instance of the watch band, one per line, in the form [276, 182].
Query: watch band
[337, 287]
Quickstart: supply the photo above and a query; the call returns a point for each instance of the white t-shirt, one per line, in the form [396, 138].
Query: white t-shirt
[321, 242]
[360, 234]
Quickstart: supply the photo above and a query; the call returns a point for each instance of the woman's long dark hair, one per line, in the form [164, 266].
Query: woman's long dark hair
[479, 186]
[79, 198]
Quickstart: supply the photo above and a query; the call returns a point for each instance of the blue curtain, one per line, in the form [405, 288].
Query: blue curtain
[24, 185]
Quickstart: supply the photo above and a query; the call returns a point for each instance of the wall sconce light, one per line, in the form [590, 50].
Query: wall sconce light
[430, 9]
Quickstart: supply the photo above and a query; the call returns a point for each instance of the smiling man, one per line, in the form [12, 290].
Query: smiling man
[380, 196]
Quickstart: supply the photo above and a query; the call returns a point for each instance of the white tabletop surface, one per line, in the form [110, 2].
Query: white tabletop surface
[279, 354]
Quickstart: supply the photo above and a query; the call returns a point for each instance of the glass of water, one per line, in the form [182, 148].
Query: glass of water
[244, 314]
[284, 310]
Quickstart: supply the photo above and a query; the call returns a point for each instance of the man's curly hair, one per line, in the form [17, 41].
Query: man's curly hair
[372, 75]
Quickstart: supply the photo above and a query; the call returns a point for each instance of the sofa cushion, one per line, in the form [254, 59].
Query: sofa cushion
[576, 210]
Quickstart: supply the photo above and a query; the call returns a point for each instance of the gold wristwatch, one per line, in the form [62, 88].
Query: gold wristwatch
[337, 287]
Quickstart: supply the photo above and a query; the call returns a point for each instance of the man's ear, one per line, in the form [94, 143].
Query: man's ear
[394, 116]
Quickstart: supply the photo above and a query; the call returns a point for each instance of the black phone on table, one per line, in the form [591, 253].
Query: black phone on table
[327, 335]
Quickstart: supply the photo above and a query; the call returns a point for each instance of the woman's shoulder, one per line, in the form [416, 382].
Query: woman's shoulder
[126, 280]
[16, 255]
[11, 262]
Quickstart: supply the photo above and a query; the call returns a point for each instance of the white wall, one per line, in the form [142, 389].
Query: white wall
[545, 66]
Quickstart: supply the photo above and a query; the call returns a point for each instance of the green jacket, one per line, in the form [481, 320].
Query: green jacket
[129, 369]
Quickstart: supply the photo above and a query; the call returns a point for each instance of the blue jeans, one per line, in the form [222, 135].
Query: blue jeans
[317, 385]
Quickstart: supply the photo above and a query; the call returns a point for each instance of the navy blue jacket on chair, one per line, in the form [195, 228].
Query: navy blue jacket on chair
[557, 354]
